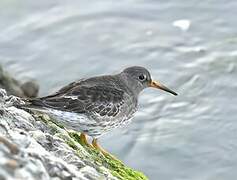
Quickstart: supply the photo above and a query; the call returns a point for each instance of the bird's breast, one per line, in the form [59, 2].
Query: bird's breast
[125, 115]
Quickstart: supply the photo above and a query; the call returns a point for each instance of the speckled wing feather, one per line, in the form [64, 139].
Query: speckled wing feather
[83, 99]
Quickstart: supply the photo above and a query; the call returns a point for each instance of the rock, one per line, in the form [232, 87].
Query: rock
[30, 89]
[14, 87]
[33, 147]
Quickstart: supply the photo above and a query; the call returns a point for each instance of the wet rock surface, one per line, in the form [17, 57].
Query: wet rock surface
[33, 147]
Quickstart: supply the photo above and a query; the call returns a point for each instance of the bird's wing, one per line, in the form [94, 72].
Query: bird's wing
[83, 99]
[65, 89]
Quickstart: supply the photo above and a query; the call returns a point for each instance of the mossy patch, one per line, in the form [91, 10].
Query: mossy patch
[115, 166]
[54, 127]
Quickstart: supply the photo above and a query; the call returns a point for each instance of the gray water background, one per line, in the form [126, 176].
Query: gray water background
[189, 137]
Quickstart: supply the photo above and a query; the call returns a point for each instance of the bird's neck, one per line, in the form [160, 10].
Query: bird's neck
[129, 87]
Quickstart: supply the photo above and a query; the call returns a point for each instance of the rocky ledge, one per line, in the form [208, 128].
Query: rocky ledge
[32, 146]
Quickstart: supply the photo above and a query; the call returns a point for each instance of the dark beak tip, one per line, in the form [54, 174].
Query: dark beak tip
[162, 87]
[174, 93]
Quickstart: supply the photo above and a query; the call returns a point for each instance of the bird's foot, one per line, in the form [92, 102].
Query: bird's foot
[95, 145]
[102, 150]
[98, 147]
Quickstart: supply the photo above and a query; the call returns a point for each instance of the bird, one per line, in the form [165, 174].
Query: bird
[96, 105]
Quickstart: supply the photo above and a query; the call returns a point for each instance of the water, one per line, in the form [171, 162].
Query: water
[189, 137]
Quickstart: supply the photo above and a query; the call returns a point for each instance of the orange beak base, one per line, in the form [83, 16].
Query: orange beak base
[162, 87]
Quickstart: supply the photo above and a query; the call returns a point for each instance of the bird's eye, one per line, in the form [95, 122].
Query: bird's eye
[142, 77]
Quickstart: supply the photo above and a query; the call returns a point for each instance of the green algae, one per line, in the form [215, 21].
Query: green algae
[53, 125]
[116, 167]
[72, 139]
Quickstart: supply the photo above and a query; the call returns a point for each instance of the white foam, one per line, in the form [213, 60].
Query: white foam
[183, 24]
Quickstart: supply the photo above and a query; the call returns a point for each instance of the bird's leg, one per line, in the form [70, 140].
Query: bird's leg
[98, 147]
[84, 139]
[104, 152]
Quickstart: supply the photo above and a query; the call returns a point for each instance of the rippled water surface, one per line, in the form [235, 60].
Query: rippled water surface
[188, 45]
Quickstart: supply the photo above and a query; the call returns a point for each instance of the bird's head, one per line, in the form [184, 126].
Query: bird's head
[139, 78]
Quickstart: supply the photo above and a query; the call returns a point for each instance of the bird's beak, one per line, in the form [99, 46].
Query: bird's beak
[158, 85]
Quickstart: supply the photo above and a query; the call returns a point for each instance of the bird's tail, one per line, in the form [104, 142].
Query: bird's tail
[31, 104]
[18, 102]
